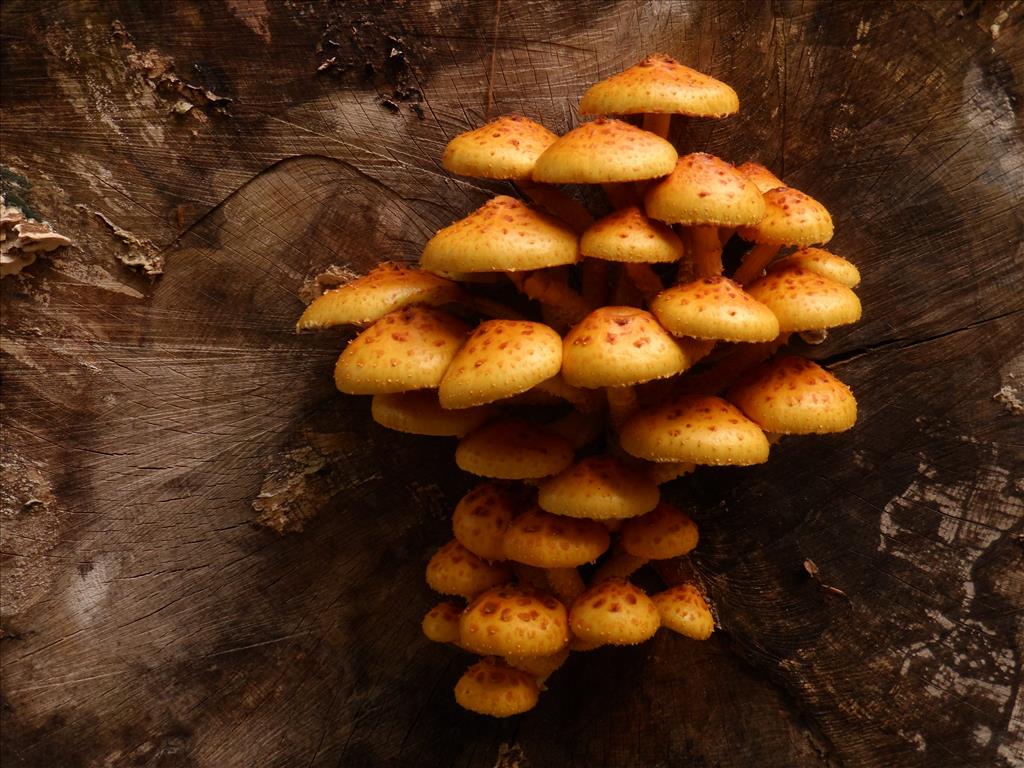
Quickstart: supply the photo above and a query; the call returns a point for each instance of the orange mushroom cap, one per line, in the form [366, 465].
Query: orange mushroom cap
[605, 151]
[614, 612]
[505, 148]
[704, 189]
[714, 308]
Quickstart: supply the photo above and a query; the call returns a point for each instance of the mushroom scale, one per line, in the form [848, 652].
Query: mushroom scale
[454, 570]
[514, 620]
[503, 235]
[714, 308]
[501, 358]
[493, 688]
[805, 301]
[793, 396]
[614, 612]
[599, 488]
[408, 349]
[511, 449]
[660, 84]
[683, 609]
[604, 152]
[384, 289]
[695, 428]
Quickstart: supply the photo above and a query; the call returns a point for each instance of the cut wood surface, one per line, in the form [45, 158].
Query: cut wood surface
[207, 158]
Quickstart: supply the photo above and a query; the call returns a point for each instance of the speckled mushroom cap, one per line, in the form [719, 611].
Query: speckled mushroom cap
[660, 84]
[599, 488]
[804, 301]
[480, 520]
[419, 413]
[506, 148]
[501, 358]
[619, 346]
[696, 428]
[614, 612]
[514, 620]
[384, 289]
[628, 235]
[513, 450]
[760, 176]
[714, 308]
[821, 263]
[605, 151]
[704, 189]
[407, 349]
[454, 570]
[793, 396]
[544, 540]
[664, 532]
[493, 688]
[441, 623]
[503, 235]
[683, 609]
[790, 218]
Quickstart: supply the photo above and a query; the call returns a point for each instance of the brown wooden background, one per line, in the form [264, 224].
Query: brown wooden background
[243, 145]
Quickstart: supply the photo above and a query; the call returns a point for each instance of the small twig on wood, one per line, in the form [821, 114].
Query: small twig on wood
[812, 571]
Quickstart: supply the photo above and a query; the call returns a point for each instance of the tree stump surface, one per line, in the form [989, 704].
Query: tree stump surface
[241, 146]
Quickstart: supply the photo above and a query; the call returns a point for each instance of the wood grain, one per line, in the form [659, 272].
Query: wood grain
[147, 621]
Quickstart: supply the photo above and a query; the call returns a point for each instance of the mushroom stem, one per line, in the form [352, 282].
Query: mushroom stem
[731, 367]
[581, 399]
[669, 470]
[556, 202]
[491, 308]
[527, 574]
[725, 234]
[621, 404]
[754, 262]
[566, 583]
[594, 276]
[618, 566]
[579, 428]
[657, 123]
[552, 291]
[625, 293]
[621, 194]
[645, 279]
[707, 250]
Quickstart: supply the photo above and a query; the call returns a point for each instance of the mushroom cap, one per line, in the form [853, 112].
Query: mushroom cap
[821, 263]
[804, 301]
[480, 520]
[454, 570]
[501, 358]
[790, 218]
[544, 540]
[503, 235]
[696, 428]
[384, 289]
[714, 308]
[629, 235]
[760, 176]
[619, 346]
[614, 612]
[505, 148]
[605, 151]
[419, 413]
[441, 623]
[511, 449]
[493, 688]
[409, 348]
[704, 189]
[793, 396]
[599, 488]
[660, 84]
[683, 609]
[664, 532]
[514, 620]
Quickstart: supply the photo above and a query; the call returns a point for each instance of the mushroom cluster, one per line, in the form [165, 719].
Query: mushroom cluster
[580, 364]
